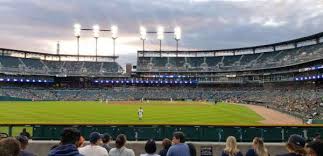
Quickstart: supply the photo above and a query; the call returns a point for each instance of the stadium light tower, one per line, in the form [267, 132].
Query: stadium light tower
[77, 34]
[177, 35]
[96, 30]
[143, 36]
[114, 31]
[160, 35]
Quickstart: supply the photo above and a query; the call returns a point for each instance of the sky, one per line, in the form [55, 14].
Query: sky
[37, 25]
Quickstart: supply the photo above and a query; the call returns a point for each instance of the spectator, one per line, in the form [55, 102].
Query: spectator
[68, 147]
[23, 144]
[178, 148]
[120, 149]
[295, 146]
[9, 147]
[25, 133]
[258, 148]
[192, 149]
[315, 148]
[150, 148]
[231, 148]
[166, 144]
[94, 149]
[106, 140]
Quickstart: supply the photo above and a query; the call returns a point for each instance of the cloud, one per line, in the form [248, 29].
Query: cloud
[207, 24]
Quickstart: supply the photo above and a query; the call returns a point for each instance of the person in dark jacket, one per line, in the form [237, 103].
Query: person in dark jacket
[166, 144]
[295, 146]
[258, 148]
[68, 145]
[106, 142]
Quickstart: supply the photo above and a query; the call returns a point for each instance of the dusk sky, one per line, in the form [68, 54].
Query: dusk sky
[37, 25]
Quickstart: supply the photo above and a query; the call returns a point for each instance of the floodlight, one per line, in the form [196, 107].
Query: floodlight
[160, 33]
[114, 31]
[96, 31]
[177, 33]
[143, 33]
[77, 30]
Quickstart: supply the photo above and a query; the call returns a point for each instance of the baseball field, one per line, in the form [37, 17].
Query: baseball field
[124, 112]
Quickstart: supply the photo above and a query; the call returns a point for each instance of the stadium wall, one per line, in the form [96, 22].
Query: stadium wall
[42, 147]
[8, 98]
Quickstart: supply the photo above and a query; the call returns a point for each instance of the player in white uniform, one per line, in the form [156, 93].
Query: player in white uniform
[140, 113]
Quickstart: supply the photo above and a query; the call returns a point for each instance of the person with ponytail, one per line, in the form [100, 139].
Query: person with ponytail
[120, 149]
[231, 148]
[258, 148]
[295, 146]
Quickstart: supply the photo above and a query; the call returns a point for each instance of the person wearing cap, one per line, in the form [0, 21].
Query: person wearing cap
[315, 148]
[94, 149]
[106, 140]
[295, 146]
[23, 140]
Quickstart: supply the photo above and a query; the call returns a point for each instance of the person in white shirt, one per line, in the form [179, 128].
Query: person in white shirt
[94, 149]
[120, 149]
[140, 113]
[150, 148]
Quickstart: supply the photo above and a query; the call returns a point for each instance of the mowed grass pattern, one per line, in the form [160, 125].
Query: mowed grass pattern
[155, 112]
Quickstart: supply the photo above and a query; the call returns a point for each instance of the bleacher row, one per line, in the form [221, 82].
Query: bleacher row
[233, 63]
[302, 102]
[37, 66]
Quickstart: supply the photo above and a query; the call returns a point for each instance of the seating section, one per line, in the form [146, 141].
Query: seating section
[177, 61]
[230, 60]
[259, 60]
[10, 62]
[159, 62]
[53, 66]
[195, 61]
[213, 61]
[37, 66]
[246, 59]
[92, 67]
[73, 66]
[33, 63]
[111, 67]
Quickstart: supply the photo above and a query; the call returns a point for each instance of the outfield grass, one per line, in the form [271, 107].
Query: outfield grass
[155, 112]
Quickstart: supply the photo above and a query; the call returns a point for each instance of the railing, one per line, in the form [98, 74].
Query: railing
[216, 133]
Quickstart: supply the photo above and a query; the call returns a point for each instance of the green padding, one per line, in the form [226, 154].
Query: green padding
[8, 98]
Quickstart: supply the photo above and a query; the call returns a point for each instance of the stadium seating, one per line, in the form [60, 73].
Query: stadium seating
[10, 62]
[258, 60]
[33, 64]
[37, 66]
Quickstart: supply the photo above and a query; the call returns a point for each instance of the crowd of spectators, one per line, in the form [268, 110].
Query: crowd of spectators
[72, 144]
